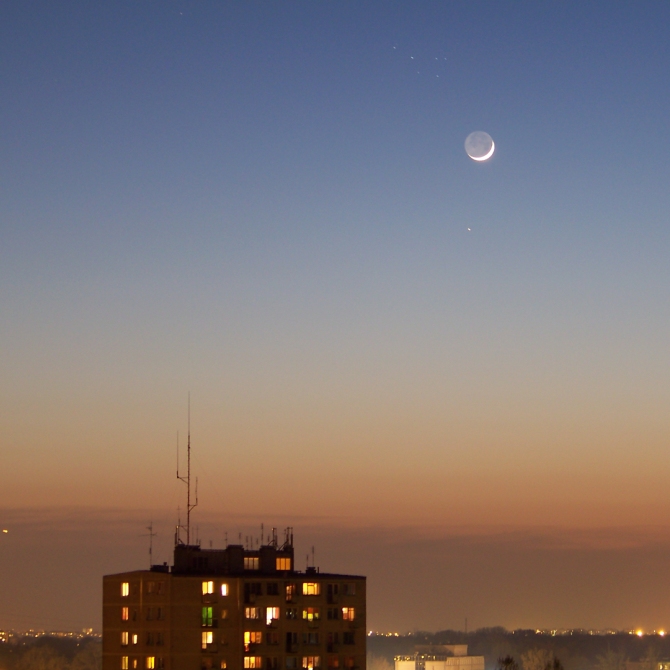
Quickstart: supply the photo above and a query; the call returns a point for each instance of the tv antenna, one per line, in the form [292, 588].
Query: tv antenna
[187, 480]
[151, 535]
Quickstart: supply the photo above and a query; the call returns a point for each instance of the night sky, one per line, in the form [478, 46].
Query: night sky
[450, 376]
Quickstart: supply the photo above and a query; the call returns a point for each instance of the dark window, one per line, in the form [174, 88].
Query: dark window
[348, 637]
[333, 592]
[273, 589]
[251, 590]
[291, 642]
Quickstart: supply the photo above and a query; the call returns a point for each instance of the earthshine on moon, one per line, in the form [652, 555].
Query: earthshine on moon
[479, 146]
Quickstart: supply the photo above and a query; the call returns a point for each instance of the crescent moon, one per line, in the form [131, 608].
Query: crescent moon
[487, 155]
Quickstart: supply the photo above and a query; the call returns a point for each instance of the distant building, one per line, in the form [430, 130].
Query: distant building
[440, 657]
[234, 609]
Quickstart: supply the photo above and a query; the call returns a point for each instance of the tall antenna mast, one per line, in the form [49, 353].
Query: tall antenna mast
[187, 479]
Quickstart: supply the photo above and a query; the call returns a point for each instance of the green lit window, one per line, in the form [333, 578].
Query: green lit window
[207, 616]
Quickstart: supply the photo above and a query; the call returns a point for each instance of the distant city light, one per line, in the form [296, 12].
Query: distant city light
[4, 530]
[661, 632]
[639, 633]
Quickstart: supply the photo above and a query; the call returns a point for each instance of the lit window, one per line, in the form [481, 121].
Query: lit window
[252, 637]
[290, 592]
[224, 613]
[124, 638]
[207, 616]
[333, 661]
[207, 588]
[253, 662]
[349, 662]
[125, 589]
[224, 589]
[252, 612]
[311, 614]
[283, 564]
[311, 589]
[251, 562]
[311, 662]
[124, 614]
[134, 663]
[271, 614]
[150, 662]
[151, 588]
[347, 613]
[207, 638]
[124, 663]
[224, 664]
[135, 638]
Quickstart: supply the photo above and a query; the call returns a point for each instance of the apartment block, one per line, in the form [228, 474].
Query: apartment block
[233, 609]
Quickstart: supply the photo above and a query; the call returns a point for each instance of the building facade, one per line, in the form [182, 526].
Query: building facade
[233, 609]
[440, 657]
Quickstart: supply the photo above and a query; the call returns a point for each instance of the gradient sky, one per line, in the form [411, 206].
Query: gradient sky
[268, 205]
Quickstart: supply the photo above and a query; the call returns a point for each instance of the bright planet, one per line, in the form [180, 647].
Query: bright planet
[479, 145]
